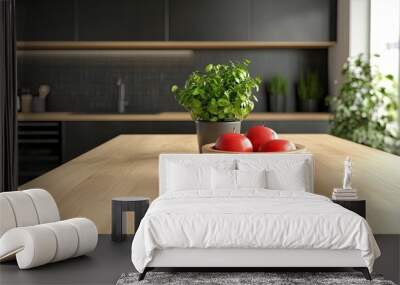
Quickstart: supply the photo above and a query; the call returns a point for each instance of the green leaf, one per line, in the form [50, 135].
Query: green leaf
[222, 92]
[223, 102]
[390, 77]
[174, 88]
[196, 91]
[196, 103]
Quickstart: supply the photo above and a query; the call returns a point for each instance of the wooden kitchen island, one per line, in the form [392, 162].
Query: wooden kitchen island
[128, 165]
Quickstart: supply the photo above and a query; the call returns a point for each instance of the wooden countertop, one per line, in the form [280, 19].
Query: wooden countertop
[128, 166]
[166, 116]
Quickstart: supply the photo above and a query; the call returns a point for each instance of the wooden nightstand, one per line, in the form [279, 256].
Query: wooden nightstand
[119, 205]
[357, 206]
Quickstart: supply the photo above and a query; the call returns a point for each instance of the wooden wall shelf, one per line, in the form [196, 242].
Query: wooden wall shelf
[162, 45]
[166, 116]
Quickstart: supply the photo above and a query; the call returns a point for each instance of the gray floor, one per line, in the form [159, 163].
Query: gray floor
[110, 260]
[103, 266]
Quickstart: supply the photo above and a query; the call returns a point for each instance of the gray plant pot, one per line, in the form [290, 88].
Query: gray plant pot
[208, 132]
[310, 105]
[278, 103]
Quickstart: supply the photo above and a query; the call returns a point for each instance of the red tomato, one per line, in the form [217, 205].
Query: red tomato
[277, 145]
[233, 142]
[259, 135]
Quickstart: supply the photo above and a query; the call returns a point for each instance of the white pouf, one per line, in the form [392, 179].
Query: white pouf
[31, 232]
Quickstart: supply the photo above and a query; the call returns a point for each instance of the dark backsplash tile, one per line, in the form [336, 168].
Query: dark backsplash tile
[86, 81]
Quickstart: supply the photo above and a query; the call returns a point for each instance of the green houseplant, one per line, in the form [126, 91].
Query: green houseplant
[277, 88]
[366, 109]
[310, 92]
[218, 98]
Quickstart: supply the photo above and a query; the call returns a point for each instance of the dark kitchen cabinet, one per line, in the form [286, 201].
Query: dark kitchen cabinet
[45, 20]
[176, 20]
[39, 148]
[121, 20]
[288, 20]
[209, 20]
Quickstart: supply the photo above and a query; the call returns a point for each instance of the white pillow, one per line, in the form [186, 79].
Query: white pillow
[227, 179]
[224, 179]
[185, 177]
[292, 177]
[251, 178]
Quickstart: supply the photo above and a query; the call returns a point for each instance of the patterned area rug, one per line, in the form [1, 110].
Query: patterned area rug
[243, 278]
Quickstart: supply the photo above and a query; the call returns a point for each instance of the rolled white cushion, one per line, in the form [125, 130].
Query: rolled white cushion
[41, 244]
[7, 218]
[87, 234]
[46, 207]
[67, 240]
[23, 208]
[33, 246]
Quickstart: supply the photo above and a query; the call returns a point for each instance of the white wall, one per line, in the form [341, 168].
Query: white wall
[359, 27]
[385, 34]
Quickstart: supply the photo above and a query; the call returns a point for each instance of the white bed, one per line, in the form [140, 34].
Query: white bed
[217, 224]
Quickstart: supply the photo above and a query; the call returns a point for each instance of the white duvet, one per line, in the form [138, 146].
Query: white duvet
[250, 219]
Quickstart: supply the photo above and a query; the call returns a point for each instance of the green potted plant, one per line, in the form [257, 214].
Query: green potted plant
[218, 98]
[309, 91]
[365, 111]
[277, 89]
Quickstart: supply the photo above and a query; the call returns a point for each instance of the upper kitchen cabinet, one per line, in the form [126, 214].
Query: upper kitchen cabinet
[77, 21]
[45, 20]
[121, 20]
[209, 20]
[288, 20]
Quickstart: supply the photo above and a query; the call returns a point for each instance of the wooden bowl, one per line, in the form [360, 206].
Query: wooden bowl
[209, 148]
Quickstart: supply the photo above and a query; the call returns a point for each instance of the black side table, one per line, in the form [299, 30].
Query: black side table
[357, 206]
[139, 205]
